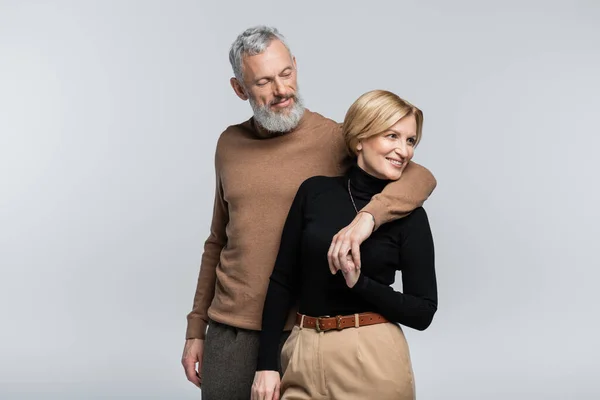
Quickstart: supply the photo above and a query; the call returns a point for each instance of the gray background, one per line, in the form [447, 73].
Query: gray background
[109, 114]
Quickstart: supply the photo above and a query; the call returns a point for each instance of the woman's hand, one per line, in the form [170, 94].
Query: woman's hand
[347, 243]
[266, 385]
[352, 275]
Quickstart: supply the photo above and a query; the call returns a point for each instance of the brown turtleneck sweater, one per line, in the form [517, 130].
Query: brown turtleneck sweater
[257, 178]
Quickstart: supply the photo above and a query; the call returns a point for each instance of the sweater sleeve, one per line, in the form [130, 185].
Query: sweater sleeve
[197, 319]
[283, 285]
[401, 197]
[417, 304]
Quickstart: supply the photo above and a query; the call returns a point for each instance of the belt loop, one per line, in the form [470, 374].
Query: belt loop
[356, 321]
[302, 321]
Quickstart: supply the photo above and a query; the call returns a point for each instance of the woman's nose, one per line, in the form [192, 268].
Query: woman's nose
[402, 150]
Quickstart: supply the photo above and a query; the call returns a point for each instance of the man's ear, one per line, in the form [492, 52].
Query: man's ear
[238, 89]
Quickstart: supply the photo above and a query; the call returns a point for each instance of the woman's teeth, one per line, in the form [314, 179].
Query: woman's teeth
[395, 162]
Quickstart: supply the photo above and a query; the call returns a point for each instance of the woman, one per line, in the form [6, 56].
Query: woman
[347, 343]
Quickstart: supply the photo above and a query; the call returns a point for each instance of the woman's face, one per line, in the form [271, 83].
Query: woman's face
[386, 155]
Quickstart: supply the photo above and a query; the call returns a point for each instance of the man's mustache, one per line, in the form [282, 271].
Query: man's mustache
[280, 99]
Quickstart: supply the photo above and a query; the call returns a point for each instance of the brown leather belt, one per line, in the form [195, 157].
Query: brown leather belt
[339, 322]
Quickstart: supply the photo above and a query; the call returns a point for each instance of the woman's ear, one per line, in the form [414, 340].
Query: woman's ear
[359, 146]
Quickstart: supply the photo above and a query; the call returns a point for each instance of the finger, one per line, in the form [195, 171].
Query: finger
[336, 252]
[188, 365]
[343, 253]
[330, 255]
[256, 394]
[347, 278]
[276, 394]
[351, 266]
[190, 372]
[345, 249]
[350, 263]
[199, 363]
[332, 267]
[356, 254]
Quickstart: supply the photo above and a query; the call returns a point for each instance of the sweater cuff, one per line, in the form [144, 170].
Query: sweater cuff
[361, 283]
[266, 363]
[196, 329]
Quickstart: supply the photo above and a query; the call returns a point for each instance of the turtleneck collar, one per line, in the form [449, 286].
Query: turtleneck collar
[363, 184]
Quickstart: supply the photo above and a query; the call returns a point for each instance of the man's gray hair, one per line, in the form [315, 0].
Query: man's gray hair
[251, 42]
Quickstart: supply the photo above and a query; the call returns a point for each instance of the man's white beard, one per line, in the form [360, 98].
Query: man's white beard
[278, 122]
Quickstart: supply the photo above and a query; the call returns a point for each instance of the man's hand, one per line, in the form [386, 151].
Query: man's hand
[192, 354]
[344, 252]
[266, 385]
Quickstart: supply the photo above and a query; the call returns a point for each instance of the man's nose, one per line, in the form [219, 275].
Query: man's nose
[279, 88]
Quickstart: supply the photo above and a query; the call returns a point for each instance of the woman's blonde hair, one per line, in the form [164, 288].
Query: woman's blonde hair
[374, 113]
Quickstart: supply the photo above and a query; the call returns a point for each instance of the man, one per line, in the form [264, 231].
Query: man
[259, 166]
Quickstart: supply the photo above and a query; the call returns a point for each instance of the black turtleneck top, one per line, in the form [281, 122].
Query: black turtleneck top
[321, 208]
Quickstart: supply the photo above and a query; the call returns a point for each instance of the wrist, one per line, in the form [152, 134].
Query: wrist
[368, 216]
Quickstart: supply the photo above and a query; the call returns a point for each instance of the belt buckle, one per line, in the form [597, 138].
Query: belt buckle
[338, 322]
[318, 324]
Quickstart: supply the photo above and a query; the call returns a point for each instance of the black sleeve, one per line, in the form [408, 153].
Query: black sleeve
[417, 304]
[283, 285]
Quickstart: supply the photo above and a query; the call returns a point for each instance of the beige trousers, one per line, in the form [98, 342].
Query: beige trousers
[369, 362]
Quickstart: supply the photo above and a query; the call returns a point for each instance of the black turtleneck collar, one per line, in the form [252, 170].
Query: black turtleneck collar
[363, 184]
